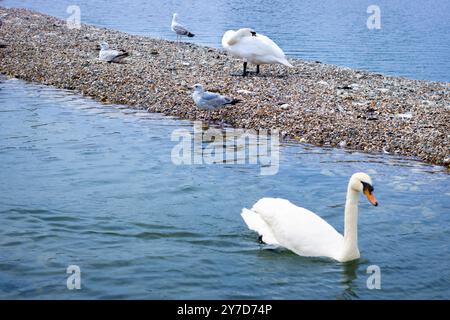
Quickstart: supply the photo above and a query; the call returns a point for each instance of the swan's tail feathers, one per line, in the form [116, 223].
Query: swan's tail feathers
[121, 56]
[256, 223]
[286, 63]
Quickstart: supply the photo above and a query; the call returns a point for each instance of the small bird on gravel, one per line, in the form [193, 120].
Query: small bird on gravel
[179, 29]
[209, 100]
[110, 55]
[253, 47]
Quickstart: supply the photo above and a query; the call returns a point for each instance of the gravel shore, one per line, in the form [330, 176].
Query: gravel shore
[314, 103]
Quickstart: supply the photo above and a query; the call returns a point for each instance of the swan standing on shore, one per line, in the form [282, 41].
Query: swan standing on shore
[109, 55]
[179, 29]
[254, 48]
[281, 223]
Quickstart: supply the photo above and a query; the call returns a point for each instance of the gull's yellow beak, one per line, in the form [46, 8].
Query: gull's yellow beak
[370, 196]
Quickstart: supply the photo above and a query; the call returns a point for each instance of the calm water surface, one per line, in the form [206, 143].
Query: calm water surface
[414, 39]
[94, 186]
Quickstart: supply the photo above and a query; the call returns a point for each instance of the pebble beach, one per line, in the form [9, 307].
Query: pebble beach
[313, 103]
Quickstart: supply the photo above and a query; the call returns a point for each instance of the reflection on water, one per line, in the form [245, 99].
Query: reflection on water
[349, 275]
[95, 186]
[413, 40]
[211, 145]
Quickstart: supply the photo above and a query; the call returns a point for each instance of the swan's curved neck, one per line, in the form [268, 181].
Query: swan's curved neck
[350, 246]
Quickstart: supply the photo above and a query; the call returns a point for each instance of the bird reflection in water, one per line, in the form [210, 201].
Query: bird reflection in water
[349, 275]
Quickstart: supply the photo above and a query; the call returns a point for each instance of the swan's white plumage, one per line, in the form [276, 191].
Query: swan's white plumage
[294, 228]
[257, 49]
[280, 222]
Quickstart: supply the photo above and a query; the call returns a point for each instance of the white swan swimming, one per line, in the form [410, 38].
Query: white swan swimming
[281, 223]
[254, 48]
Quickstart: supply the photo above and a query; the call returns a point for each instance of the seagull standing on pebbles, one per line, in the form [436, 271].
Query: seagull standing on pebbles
[2, 16]
[109, 55]
[209, 100]
[179, 29]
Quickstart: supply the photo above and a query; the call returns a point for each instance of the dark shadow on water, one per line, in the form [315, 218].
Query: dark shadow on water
[345, 274]
[349, 275]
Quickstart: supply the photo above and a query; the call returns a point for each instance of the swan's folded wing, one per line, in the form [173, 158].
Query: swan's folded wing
[269, 42]
[299, 229]
[265, 46]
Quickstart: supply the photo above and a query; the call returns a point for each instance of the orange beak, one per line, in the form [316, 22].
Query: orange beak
[371, 197]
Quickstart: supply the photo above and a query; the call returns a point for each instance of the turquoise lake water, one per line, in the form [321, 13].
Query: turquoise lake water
[93, 185]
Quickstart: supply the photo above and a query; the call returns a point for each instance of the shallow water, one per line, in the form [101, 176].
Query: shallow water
[413, 40]
[94, 186]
